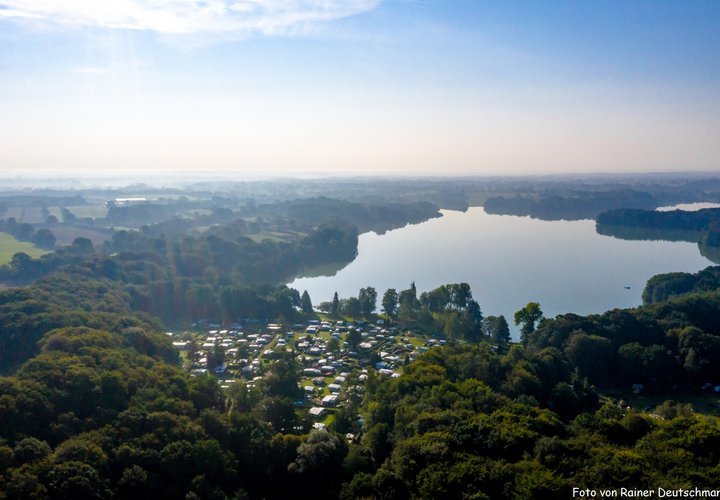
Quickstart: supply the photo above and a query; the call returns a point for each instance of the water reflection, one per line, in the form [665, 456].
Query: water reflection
[510, 261]
[689, 207]
[657, 234]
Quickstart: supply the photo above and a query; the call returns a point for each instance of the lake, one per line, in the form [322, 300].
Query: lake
[689, 207]
[509, 261]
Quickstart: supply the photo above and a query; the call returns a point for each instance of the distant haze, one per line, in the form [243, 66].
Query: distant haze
[359, 87]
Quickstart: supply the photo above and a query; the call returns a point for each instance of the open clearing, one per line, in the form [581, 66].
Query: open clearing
[9, 246]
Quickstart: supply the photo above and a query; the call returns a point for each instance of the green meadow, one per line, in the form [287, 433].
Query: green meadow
[9, 246]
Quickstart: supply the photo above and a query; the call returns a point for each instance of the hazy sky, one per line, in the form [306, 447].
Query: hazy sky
[424, 87]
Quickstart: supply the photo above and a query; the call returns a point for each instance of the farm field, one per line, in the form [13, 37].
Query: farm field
[66, 234]
[31, 215]
[91, 211]
[9, 246]
[97, 211]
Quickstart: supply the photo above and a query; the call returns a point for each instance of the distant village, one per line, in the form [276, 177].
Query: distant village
[334, 356]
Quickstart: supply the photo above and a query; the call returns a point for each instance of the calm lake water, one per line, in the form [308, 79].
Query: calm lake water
[689, 207]
[509, 261]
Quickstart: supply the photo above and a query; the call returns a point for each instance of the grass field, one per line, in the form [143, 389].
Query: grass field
[258, 238]
[91, 211]
[9, 246]
[30, 215]
[81, 211]
[278, 236]
[56, 212]
[15, 212]
[66, 234]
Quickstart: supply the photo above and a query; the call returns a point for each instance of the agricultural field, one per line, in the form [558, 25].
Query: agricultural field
[66, 234]
[9, 246]
[278, 236]
[31, 215]
[89, 211]
[81, 211]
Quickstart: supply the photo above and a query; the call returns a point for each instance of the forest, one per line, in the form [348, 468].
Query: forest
[574, 206]
[679, 220]
[96, 402]
[96, 405]
[663, 286]
[102, 409]
[572, 199]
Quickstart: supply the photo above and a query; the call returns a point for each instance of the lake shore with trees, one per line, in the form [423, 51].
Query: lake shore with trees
[171, 362]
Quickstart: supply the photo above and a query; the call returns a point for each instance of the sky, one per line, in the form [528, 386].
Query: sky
[348, 87]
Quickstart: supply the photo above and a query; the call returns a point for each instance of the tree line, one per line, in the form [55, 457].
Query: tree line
[41, 238]
[582, 204]
[448, 310]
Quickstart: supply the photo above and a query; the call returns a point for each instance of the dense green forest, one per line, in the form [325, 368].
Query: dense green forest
[663, 286]
[464, 422]
[580, 205]
[699, 221]
[366, 217]
[96, 404]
